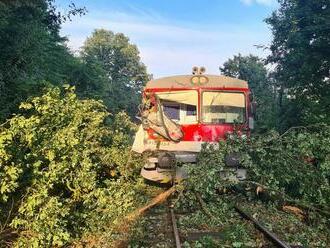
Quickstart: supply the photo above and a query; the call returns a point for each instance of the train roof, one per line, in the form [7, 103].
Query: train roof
[185, 81]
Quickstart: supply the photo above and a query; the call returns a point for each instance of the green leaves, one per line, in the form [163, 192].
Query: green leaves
[300, 52]
[290, 169]
[123, 73]
[31, 51]
[57, 160]
[295, 164]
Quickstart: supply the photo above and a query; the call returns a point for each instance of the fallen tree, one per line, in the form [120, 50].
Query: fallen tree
[287, 173]
[66, 169]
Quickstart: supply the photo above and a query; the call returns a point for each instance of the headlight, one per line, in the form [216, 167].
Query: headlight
[199, 80]
[195, 80]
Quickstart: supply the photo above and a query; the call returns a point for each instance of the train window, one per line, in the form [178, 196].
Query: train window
[191, 110]
[172, 111]
[223, 107]
[180, 105]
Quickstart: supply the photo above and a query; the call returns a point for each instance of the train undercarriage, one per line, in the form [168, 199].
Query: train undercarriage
[166, 167]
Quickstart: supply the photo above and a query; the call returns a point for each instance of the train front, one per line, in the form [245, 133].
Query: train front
[180, 113]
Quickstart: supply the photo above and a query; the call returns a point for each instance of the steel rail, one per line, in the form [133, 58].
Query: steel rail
[175, 229]
[263, 229]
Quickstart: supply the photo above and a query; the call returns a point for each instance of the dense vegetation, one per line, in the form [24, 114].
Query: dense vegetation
[123, 73]
[300, 52]
[65, 161]
[67, 175]
[65, 167]
[294, 165]
[108, 67]
[287, 189]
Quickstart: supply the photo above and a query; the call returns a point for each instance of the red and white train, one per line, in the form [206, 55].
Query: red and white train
[180, 113]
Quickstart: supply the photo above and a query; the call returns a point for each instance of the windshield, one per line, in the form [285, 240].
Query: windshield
[180, 106]
[223, 107]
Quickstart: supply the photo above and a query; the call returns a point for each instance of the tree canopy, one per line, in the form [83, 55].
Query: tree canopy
[125, 74]
[108, 68]
[31, 50]
[300, 51]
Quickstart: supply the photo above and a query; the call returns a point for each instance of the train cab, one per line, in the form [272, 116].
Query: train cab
[180, 113]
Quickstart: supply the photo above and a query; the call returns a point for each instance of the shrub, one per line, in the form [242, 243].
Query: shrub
[291, 170]
[62, 161]
[295, 164]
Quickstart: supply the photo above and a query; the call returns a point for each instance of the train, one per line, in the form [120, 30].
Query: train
[180, 113]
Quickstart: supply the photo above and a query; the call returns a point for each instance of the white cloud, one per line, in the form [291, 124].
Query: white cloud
[262, 2]
[168, 48]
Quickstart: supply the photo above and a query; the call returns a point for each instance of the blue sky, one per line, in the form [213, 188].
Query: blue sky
[174, 35]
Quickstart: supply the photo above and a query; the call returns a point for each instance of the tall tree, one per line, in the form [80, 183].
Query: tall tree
[252, 69]
[300, 50]
[31, 50]
[125, 73]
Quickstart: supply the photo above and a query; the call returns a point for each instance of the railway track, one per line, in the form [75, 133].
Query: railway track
[271, 236]
[175, 229]
[163, 230]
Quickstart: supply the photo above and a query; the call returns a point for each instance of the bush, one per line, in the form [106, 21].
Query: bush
[295, 164]
[62, 162]
[288, 171]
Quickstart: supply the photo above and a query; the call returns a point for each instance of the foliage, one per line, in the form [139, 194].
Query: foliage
[108, 68]
[300, 53]
[295, 164]
[211, 163]
[292, 168]
[66, 169]
[252, 69]
[31, 50]
[233, 231]
[125, 74]
[66, 163]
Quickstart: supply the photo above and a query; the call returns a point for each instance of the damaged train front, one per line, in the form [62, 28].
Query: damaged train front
[166, 116]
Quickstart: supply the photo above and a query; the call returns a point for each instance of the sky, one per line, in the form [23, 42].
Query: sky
[175, 35]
